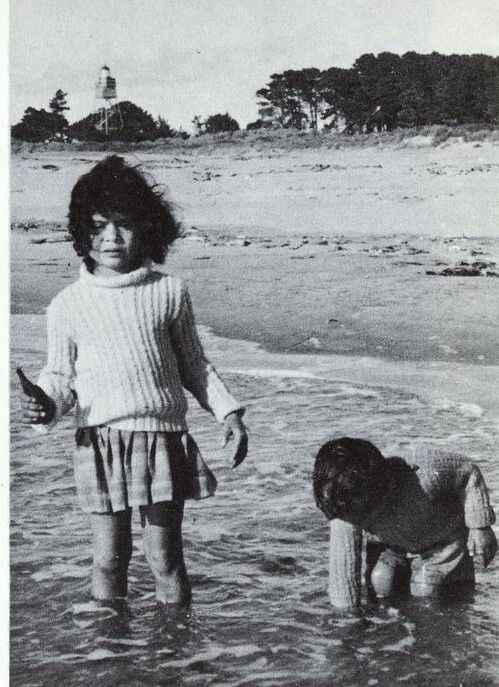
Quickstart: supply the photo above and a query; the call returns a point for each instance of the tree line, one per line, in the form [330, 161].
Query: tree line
[128, 123]
[383, 92]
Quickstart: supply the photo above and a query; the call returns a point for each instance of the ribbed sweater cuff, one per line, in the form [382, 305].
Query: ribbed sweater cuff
[230, 408]
[480, 518]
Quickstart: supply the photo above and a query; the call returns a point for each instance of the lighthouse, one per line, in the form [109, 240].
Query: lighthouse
[105, 88]
[108, 115]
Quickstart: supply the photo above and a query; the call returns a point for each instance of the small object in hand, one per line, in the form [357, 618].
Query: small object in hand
[33, 391]
[29, 388]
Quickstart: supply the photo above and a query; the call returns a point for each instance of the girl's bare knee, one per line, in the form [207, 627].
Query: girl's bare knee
[110, 565]
[162, 566]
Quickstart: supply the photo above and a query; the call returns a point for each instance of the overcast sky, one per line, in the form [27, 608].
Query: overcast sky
[180, 58]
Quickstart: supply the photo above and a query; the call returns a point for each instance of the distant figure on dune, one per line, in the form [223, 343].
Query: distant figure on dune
[422, 519]
[377, 121]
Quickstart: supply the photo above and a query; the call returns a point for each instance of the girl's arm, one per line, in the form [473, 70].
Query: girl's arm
[197, 374]
[199, 377]
[56, 378]
[457, 474]
[478, 515]
[345, 561]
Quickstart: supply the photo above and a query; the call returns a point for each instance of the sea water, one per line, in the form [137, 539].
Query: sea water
[257, 552]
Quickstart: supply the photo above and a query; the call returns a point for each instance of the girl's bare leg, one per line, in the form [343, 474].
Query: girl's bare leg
[112, 537]
[162, 529]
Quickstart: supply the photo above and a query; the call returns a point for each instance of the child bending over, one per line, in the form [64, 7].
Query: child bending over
[424, 517]
[122, 346]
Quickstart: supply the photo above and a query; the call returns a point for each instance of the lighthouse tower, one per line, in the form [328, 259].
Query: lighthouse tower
[108, 115]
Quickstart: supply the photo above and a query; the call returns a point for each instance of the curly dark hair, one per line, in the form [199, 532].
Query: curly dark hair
[349, 477]
[115, 186]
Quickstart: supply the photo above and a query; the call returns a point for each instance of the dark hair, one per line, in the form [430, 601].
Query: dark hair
[114, 186]
[349, 476]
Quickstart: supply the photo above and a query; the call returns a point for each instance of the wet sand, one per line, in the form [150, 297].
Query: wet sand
[304, 250]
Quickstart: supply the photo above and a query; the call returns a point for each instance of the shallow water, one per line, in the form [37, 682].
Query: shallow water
[257, 552]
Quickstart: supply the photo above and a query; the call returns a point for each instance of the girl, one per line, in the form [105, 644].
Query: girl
[121, 345]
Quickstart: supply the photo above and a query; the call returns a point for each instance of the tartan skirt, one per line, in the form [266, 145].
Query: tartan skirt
[118, 469]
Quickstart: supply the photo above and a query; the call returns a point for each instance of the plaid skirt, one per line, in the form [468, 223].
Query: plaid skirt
[117, 469]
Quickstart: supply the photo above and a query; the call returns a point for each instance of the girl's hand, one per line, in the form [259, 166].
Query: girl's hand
[38, 408]
[482, 545]
[37, 412]
[234, 427]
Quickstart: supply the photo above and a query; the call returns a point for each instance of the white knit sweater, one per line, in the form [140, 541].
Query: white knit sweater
[121, 349]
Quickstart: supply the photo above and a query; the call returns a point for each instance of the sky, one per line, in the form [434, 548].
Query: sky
[180, 58]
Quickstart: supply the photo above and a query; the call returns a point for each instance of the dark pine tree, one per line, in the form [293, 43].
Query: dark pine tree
[59, 104]
[39, 125]
[217, 123]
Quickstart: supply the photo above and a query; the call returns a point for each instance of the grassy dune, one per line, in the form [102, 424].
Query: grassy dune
[284, 139]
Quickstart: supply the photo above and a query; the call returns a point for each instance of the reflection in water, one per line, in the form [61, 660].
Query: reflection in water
[257, 553]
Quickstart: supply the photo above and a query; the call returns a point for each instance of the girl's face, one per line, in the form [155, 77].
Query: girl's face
[114, 244]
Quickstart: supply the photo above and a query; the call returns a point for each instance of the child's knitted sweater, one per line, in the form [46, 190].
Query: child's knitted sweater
[431, 502]
[121, 348]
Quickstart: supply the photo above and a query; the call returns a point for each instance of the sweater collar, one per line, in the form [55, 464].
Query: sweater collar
[128, 279]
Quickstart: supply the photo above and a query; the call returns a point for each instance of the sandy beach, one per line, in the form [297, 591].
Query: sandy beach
[304, 250]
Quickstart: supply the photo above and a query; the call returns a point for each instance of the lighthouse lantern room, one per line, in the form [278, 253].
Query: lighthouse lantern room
[105, 88]
[107, 111]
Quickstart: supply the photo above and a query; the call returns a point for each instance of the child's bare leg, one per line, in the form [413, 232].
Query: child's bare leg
[162, 528]
[373, 552]
[390, 574]
[112, 551]
[444, 569]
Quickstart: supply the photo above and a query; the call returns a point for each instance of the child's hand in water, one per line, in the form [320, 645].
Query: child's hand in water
[38, 408]
[482, 545]
[234, 427]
